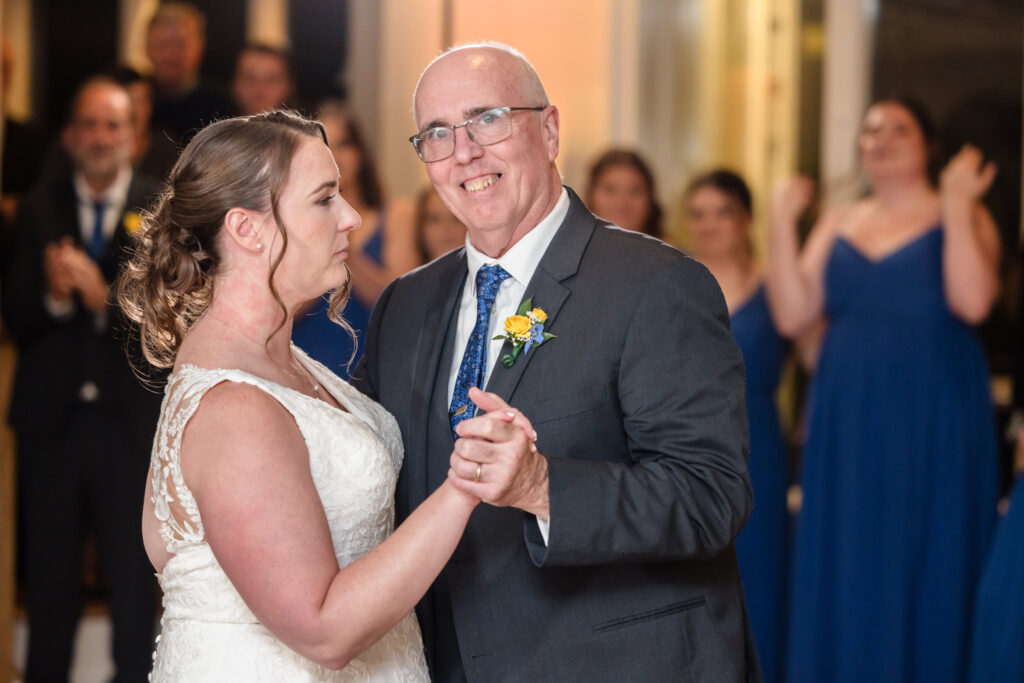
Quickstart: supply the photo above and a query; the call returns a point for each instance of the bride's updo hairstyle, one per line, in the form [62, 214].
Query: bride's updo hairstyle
[241, 162]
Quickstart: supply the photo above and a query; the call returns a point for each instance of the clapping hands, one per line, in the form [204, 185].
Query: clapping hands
[496, 459]
[69, 269]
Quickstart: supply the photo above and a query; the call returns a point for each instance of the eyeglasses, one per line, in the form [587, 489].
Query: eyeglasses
[486, 128]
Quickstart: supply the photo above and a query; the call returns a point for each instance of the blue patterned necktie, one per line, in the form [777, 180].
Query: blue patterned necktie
[98, 243]
[474, 361]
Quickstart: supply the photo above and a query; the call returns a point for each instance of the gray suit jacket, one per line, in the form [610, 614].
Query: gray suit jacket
[639, 407]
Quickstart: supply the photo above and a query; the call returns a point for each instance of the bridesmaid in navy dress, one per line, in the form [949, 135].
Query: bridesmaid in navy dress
[899, 467]
[997, 654]
[719, 211]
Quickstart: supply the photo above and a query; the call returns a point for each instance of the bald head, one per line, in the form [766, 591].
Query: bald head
[504, 61]
[500, 188]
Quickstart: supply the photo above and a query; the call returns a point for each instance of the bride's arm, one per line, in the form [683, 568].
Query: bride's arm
[247, 465]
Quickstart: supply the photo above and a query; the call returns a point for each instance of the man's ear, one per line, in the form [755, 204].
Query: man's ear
[240, 225]
[549, 124]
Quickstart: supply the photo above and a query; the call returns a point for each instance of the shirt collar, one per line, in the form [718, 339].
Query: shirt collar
[521, 260]
[115, 195]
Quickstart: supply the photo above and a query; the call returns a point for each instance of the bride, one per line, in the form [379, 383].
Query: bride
[269, 505]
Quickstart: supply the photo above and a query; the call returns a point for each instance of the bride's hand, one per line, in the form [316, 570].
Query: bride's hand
[497, 459]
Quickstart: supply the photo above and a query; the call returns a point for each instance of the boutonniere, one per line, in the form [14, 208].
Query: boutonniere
[524, 330]
[132, 223]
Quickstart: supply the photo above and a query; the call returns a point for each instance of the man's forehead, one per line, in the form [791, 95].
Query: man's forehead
[103, 102]
[452, 91]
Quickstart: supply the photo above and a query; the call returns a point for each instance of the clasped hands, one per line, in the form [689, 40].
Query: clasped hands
[69, 269]
[496, 457]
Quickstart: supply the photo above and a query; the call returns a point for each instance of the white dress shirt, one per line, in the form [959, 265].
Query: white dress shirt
[519, 262]
[115, 196]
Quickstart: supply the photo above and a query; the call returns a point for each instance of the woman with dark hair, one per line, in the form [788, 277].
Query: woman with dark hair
[380, 251]
[438, 230]
[270, 500]
[620, 190]
[719, 213]
[899, 464]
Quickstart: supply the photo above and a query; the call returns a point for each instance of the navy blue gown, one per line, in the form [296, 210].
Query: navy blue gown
[761, 546]
[899, 477]
[327, 342]
[997, 655]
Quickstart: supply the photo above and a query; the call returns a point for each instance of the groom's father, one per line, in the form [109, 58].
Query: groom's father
[618, 564]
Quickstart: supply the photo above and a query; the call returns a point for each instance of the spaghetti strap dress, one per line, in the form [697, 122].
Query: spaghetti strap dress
[997, 655]
[899, 477]
[761, 547]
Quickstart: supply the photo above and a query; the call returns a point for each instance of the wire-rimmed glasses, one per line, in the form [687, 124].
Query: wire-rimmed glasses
[486, 128]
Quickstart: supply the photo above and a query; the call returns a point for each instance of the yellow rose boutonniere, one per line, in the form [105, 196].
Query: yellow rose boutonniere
[517, 328]
[524, 331]
[132, 223]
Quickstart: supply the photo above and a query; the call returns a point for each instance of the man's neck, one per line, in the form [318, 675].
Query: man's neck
[99, 185]
[178, 89]
[497, 243]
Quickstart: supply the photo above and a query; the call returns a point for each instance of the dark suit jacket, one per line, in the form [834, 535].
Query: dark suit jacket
[639, 407]
[56, 357]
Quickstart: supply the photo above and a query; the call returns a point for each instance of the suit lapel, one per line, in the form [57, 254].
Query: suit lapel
[66, 206]
[560, 262]
[442, 300]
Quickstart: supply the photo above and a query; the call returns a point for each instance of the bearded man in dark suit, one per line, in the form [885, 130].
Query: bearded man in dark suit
[619, 481]
[83, 422]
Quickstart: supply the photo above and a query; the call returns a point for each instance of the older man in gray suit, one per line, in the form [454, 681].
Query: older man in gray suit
[617, 484]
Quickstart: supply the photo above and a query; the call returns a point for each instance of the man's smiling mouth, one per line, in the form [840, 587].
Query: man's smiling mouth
[477, 184]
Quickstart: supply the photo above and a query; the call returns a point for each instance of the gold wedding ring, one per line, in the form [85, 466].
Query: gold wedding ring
[479, 471]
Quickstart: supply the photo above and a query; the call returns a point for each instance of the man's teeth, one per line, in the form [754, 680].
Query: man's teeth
[478, 184]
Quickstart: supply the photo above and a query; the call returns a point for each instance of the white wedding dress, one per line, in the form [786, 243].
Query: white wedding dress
[207, 631]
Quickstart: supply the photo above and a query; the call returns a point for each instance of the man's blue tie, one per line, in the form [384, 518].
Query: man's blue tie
[474, 361]
[98, 242]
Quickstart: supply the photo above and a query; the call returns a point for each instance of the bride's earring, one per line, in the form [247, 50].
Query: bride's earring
[259, 245]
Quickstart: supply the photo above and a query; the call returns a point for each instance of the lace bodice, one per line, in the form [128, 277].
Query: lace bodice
[207, 631]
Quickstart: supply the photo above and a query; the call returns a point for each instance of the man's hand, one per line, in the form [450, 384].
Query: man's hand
[499, 447]
[86, 277]
[58, 276]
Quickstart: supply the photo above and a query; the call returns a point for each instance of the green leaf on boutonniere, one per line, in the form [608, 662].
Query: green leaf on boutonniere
[509, 358]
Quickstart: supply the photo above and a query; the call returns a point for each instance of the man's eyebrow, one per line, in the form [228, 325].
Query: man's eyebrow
[468, 113]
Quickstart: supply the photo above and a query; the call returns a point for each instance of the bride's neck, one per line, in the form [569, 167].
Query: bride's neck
[254, 317]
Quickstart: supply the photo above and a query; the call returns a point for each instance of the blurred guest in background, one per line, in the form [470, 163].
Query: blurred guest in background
[997, 652]
[719, 214]
[620, 190]
[263, 79]
[438, 231]
[24, 146]
[182, 103]
[899, 467]
[154, 153]
[83, 421]
[381, 250]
